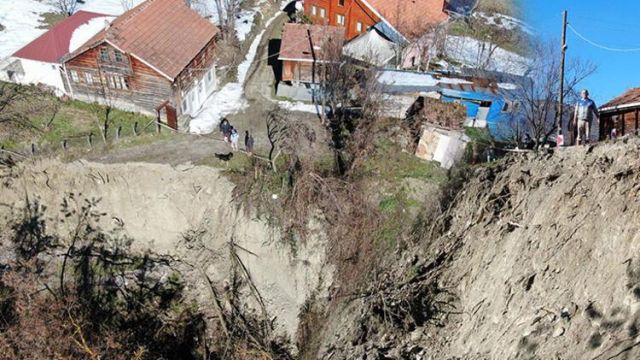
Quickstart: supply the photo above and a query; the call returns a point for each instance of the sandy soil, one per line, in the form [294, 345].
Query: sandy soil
[161, 207]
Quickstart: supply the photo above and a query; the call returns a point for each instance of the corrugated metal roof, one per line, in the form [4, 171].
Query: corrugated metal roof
[54, 44]
[296, 45]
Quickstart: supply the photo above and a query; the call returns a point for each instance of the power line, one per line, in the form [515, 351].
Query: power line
[603, 47]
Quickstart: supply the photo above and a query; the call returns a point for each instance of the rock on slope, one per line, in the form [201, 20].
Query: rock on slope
[542, 261]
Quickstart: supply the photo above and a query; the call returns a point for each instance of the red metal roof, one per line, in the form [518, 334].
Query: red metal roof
[296, 44]
[166, 34]
[631, 96]
[54, 44]
[411, 17]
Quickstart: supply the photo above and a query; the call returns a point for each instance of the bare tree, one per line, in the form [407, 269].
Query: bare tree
[285, 136]
[66, 7]
[227, 10]
[538, 95]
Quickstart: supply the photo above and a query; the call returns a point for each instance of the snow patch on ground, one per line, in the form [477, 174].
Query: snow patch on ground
[300, 106]
[409, 78]
[477, 54]
[110, 7]
[21, 20]
[505, 22]
[85, 31]
[230, 99]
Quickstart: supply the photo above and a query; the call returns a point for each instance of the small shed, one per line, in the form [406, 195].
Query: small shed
[622, 114]
[442, 145]
[306, 46]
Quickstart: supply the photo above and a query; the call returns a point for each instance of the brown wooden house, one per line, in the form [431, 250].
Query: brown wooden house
[621, 113]
[410, 18]
[305, 48]
[156, 58]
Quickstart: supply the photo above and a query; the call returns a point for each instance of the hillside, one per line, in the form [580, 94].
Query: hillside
[538, 259]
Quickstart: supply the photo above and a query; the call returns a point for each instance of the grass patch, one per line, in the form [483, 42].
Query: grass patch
[43, 119]
[50, 19]
[391, 164]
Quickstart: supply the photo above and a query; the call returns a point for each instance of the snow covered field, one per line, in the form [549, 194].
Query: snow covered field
[479, 54]
[21, 19]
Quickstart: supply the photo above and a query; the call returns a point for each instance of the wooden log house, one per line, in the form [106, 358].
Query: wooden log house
[157, 58]
[407, 19]
[305, 48]
[621, 113]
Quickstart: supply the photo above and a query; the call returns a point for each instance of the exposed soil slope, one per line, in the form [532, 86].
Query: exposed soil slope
[539, 259]
[187, 212]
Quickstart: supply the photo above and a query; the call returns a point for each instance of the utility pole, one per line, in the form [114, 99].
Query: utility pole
[561, 94]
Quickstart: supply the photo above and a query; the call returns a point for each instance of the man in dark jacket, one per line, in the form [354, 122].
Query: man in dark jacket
[248, 142]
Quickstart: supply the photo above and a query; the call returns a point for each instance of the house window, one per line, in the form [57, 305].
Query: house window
[359, 26]
[104, 54]
[209, 76]
[74, 76]
[314, 10]
[89, 78]
[323, 13]
[112, 82]
[118, 55]
[184, 105]
[340, 2]
[340, 19]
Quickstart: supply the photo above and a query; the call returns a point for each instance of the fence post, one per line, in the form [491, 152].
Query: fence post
[64, 144]
[33, 149]
[135, 128]
[118, 131]
[90, 139]
[158, 125]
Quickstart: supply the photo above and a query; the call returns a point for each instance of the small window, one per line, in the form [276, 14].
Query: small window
[118, 56]
[314, 10]
[506, 107]
[323, 13]
[89, 78]
[74, 76]
[359, 26]
[184, 105]
[340, 19]
[340, 2]
[209, 76]
[125, 83]
[112, 82]
[104, 54]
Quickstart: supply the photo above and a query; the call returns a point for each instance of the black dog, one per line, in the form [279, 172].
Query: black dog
[224, 157]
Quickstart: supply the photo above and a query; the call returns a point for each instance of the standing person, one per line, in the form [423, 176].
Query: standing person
[248, 143]
[225, 129]
[234, 139]
[583, 118]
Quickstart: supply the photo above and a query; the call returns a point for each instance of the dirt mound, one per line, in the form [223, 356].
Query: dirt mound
[187, 212]
[538, 259]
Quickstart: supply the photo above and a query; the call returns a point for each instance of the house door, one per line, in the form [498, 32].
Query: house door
[167, 115]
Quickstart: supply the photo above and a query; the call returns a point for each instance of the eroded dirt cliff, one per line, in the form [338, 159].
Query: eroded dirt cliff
[538, 257]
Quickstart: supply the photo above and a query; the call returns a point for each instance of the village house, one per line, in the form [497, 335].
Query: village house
[622, 114]
[305, 46]
[395, 18]
[156, 58]
[40, 61]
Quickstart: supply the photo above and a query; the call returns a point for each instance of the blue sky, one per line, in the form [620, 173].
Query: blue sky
[613, 23]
